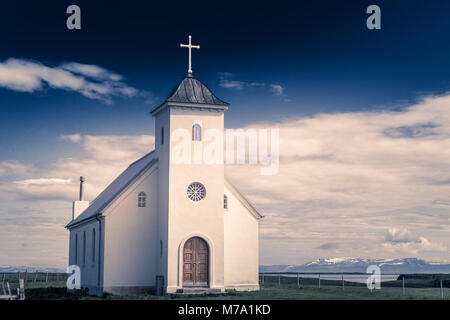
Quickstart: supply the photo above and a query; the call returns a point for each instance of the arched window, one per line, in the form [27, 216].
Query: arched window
[93, 246]
[225, 202]
[142, 199]
[196, 132]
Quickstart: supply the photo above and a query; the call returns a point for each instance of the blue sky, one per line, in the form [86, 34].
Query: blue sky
[278, 63]
[322, 54]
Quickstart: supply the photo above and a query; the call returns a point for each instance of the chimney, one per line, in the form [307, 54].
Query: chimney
[80, 205]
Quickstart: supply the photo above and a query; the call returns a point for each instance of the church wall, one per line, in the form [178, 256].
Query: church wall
[163, 121]
[87, 256]
[131, 238]
[203, 218]
[241, 246]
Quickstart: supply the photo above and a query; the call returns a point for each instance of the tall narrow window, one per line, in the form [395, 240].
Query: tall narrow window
[196, 132]
[162, 135]
[225, 202]
[142, 197]
[93, 247]
[84, 248]
[76, 249]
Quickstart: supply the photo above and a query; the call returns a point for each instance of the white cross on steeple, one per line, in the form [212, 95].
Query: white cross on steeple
[189, 46]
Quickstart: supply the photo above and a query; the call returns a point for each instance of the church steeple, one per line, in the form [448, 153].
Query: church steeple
[192, 93]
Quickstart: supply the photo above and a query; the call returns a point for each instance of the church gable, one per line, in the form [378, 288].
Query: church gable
[116, 188]
[137, 194]
[242, 199]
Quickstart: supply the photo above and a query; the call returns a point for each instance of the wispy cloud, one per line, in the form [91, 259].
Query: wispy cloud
[13, 167]
[328, 246]
[226, 81]
[93, 82]
[395, 235]
[44, 181]
[277, 89]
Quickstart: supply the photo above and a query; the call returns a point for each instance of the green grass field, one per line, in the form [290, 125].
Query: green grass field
[269, 291]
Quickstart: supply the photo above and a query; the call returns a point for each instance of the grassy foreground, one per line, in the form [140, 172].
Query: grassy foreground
[269, 291]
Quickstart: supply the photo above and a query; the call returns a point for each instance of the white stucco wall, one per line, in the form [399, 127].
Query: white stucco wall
[203, 218]
[162, 153]
[241, 246]
[131, 249]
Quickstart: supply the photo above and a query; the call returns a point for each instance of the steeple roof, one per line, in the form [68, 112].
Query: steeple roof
[191, 92]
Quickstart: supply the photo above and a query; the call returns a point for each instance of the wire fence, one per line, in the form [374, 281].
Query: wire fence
[392, 286]
[32, 277]
[426, 286]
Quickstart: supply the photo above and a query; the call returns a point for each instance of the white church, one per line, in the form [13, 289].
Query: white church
[167, 226]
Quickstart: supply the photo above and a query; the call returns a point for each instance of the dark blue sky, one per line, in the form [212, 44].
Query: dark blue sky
[320, 52]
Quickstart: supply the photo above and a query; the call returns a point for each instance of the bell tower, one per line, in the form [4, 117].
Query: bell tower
[189, 128]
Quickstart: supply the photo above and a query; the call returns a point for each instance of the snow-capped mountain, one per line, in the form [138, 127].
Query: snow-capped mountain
[406, 265]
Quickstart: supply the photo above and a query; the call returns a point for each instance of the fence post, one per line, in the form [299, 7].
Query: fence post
[35, 276]
[21, 290]
[9, 288]
[298, 280]
[403, 284]
[442, 291]
[319, 280]
[279, 279]
[343, 283]
[3, 285]
[46, 278]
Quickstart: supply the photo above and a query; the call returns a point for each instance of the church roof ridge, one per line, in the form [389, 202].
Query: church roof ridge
[243, 199]
[191, 91]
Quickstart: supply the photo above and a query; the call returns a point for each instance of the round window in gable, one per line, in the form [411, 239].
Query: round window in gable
[196, 191]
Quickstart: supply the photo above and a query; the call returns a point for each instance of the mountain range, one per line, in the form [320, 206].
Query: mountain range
[333, 265]
[338, 265]
[30, 269]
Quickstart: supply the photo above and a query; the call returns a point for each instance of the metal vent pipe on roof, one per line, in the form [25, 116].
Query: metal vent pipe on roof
[81, 188]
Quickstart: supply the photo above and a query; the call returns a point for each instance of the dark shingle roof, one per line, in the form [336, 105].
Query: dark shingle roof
[192, 91]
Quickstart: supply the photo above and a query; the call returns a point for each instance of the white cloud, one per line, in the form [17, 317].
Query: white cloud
[344, 178]
[91, 71]
[232, 84]
[277, 89]
[91, 81]
[44, 181]
[13, 167]
[395, 235]
[226, 81]
[106, 157]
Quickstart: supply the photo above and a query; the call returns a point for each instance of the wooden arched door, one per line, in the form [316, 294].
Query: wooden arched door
[195, 263]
